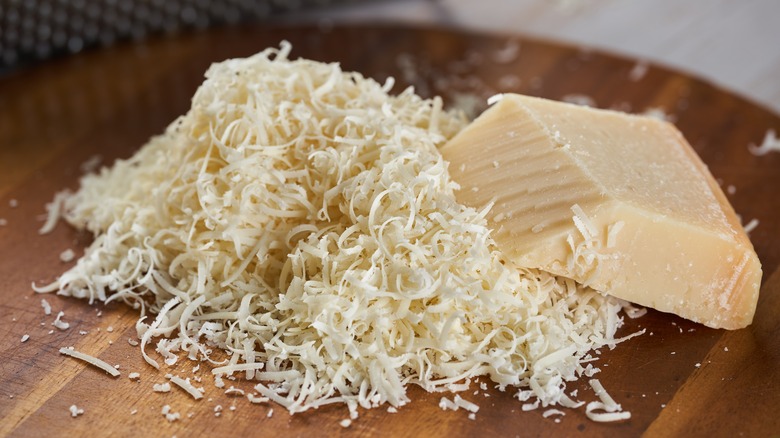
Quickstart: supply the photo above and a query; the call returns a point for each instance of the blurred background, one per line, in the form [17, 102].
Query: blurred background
[735, 44]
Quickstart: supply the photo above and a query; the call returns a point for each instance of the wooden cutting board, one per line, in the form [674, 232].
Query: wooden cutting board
[679, 379]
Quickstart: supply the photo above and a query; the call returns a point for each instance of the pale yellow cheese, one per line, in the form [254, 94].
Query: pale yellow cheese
[619, 202]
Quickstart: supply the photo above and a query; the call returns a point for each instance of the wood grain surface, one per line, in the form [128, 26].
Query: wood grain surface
[679, 379]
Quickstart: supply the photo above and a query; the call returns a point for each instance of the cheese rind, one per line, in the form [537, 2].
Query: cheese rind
[657, 230]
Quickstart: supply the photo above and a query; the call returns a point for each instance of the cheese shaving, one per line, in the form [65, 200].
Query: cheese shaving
[583, 222]
[46, 307]
[53, 212]
[612, 232]
[187, 386]
[613, 411]
[300, 221]
[70, 351]
[465, 404]
[234, 391]
[257, 400]
[495, 98]
[550, 412]
[750, 226]
[445, 404]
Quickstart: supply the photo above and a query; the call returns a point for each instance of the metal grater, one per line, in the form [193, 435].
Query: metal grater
[34, 30]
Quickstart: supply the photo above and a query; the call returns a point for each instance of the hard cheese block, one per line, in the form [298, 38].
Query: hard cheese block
[618, 202]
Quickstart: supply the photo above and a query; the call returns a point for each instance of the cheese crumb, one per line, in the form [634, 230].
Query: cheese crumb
[169, 414]
[134, 376]
[91, 164]
[638, 71]
[75, 411]
[67, 255]
[25, 338]
[59, 323]
[46, 307]
[771, 143]
[345, 423]
[162, 387]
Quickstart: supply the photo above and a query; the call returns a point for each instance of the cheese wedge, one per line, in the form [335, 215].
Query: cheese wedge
[618, 202]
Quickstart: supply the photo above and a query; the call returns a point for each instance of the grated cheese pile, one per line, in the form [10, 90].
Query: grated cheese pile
[299, 225]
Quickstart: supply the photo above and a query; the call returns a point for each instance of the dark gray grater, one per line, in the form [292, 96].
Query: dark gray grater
[33, 30]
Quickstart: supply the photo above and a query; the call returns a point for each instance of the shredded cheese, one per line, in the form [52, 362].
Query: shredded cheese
[234, 391]
[70, 351]
[612, 410]
[187, 386]
[301, 221]
[53, 210]
[465, 404]
[550, 412]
